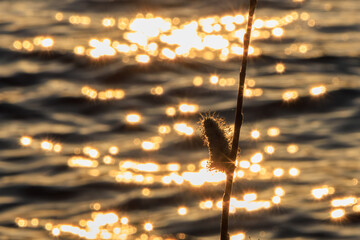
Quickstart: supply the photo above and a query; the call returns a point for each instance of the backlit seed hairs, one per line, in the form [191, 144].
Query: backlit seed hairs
[216, 136]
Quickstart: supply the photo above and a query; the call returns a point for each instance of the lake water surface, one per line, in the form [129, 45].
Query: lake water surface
[100, 103]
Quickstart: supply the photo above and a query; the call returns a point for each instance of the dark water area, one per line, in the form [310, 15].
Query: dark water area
[100, 102]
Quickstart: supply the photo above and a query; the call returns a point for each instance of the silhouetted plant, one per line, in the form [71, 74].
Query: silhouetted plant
[216, 135]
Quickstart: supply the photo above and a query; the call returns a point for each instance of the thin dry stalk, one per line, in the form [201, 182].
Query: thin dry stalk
[237, 126]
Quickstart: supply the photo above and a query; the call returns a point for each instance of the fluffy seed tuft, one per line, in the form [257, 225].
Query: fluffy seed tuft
[215, 134]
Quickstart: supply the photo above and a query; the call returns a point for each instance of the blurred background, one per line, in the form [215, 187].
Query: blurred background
[100, 102]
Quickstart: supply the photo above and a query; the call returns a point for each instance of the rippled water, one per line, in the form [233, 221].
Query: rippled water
[90, 169]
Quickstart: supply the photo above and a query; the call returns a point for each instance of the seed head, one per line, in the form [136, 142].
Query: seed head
[216, 136]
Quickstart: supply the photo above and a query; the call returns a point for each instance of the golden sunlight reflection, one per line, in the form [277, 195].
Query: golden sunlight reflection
[208, 204]
[304, 15]
[34, 222]
[142, 58]
[204, 163]
[108, 159]
[191, 167]
[57, 147]
[256, 158]
[311, 23]
[344, 202]
[91, 152]
[176, 178]
[258, 23]
[148, 38]
[146, 173]
[209, 37]
[173, 167]
[271, 23]
[113, 150]
[27, 45]
[250, 197]
[321, 192]
[79, 50]
[102, 225]
[77, 161]
[198, 81]
[188, 108]
[17, 45]
[238, 236]
[101, 48]
[166, 180]
[277, 32]
[276, 199]
[294, 172]
[255, 168]
[142, 167]
[38, 40]
[278, 172]
[59, 16]
[108, 22]
[183, 129]
[95, 206]
[303, 48]
[21, 222]
[273, 132]
[168, 54]
[269, 149]
[149, 146]
[124, 220]
[280, 68]
[292, 148]
[89, 92]
[279, 191]
[214, 79]
[255, 134]
[290, 95]
[337, 213]
[79, 20]
[164, 129]
[170, 111]
[317, 91]
[133, 118]
[47, 145]
[108, 94]
[148, 226]
[48, 226]
[150, 27]
[25, 141]
[356, 208]
[182, 211]
[250, 83]
[224, 82]
[250, 204]
[244, 164]
[47, 42]
[158, 90]
[146, 192]
[240, 174]
[55, 232]
[110, 225]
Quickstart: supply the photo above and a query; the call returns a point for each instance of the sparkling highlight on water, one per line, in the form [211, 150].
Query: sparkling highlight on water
[26, 141]
[145, 41]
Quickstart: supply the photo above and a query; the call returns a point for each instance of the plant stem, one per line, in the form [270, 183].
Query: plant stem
[237, 126]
